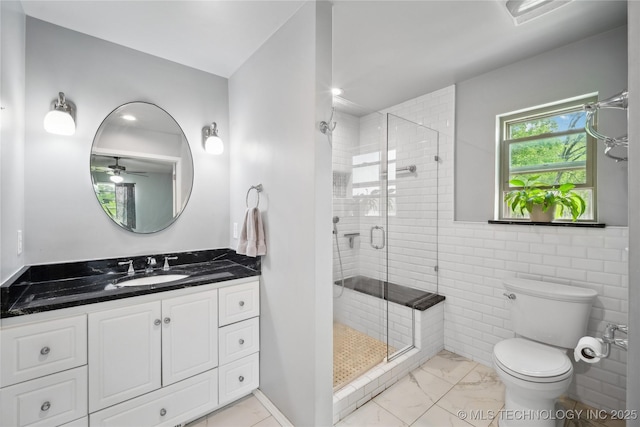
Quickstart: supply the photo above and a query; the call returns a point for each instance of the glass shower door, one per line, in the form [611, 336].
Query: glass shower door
[411, 192]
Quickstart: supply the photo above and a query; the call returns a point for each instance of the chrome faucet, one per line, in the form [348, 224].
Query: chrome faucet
[130, 271]
[166, 266]
[151, 262]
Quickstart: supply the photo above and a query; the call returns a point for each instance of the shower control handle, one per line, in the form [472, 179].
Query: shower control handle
[374, 246]
[510, 296]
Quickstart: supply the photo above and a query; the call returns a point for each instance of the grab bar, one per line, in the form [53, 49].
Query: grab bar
[374, 246]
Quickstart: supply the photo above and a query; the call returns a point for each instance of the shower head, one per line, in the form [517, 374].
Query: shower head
[336, 219]
[335, 227]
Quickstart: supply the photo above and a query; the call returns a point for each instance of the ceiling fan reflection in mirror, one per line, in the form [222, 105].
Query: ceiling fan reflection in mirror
[117, 170]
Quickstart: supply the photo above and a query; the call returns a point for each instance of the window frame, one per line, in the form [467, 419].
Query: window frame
[503, 145]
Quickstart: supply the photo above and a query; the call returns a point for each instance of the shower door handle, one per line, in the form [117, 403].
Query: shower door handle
[374, 246]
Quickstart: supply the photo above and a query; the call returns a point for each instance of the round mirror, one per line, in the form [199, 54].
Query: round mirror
[141, 167]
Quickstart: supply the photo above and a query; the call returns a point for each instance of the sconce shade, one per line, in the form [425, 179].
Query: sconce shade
[59, 120]
[212, 142]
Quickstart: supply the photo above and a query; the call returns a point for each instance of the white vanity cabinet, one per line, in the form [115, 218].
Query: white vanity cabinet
[154, 360]
[137, 349]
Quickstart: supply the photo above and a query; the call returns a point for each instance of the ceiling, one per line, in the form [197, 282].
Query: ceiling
[385, 52]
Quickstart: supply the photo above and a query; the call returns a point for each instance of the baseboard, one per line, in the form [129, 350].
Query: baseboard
[279, 416]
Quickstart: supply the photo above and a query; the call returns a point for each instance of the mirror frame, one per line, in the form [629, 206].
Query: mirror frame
[113, 153]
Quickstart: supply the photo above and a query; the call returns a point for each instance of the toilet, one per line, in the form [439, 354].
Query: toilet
[547, 318]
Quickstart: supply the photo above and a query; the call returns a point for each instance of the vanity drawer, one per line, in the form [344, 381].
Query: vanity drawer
[48, 401]
[168, 406]
[40, 349]
[239, 378]
[239, 340]
[238, 303]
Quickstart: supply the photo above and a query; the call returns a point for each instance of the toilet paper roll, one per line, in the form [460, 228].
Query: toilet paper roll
[588, 349]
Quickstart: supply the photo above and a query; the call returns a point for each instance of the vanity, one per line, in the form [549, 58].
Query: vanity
[80, 347]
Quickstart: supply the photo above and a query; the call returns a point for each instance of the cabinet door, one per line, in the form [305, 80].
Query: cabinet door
[189, 335]
[124, 354]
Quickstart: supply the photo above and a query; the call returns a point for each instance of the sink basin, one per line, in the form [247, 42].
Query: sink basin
[152, 280]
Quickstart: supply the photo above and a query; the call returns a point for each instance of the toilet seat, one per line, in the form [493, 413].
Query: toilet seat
[532, 361]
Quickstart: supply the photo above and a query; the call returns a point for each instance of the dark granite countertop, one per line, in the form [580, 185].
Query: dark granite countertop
[42, 288]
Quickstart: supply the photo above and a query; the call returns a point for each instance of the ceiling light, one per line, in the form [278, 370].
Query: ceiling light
[129, 117]
[60, 120]
[116, 177]
[212, 142]
[525, 10]
[336, 91]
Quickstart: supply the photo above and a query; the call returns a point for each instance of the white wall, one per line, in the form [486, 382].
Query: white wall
[12, 100]
[595, 64]
[633, 362]
[63, 220]
[276, 101]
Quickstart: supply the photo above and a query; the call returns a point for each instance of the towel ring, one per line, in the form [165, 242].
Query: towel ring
[258, 189]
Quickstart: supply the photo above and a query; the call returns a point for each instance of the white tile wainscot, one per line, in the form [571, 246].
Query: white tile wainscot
[428, 336]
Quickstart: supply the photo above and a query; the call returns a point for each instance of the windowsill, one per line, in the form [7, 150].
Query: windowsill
[549, 224]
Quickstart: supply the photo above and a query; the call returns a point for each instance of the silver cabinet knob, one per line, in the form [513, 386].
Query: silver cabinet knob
[45, 350]
[45, 406]
[167, 320]
[241, 303]
[157, 322]
[240, 378]
[163, 412]
[241, 341]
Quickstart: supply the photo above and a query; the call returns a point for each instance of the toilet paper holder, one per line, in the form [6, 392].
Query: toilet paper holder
[608, 338]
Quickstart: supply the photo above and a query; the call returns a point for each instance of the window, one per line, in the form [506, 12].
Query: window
[368, 176]
[549, 143]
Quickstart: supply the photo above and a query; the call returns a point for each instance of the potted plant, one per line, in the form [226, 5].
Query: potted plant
[542, 203]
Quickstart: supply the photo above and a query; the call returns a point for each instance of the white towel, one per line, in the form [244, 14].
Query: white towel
[252, 241]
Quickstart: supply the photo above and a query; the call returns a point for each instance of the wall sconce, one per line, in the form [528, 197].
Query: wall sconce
[525, 10]
[60, 119]
[211, 141]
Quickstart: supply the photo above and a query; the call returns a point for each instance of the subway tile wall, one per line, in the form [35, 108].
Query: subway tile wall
[473, 259]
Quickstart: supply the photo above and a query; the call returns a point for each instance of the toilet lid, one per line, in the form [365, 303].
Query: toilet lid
[523, 358]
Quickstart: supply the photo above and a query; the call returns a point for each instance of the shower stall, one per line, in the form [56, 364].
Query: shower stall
[385, 207]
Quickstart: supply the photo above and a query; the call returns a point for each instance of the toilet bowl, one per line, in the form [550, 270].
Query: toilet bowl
[547, 318]
[534, 375]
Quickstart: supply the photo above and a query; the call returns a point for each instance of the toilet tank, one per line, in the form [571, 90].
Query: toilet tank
[548, 312]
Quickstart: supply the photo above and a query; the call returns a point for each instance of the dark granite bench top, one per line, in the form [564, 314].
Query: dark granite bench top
[403, 295]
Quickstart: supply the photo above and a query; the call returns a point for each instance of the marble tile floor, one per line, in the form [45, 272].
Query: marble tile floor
[246, 412]
[430, 396]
